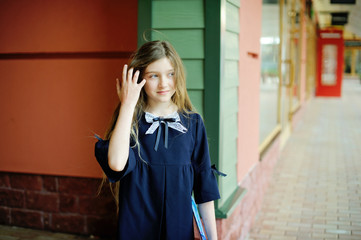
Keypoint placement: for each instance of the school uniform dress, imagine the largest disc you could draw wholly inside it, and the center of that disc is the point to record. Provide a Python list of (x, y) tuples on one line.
[(157, 182)]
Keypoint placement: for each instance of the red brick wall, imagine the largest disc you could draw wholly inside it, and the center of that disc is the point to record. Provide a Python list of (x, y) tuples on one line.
[(62, 204)]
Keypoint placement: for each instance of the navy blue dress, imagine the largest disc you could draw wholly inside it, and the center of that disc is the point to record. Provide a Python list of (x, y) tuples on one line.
[(155, 192)]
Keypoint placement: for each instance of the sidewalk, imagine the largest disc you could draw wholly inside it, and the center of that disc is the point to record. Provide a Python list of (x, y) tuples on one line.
[(18, 233), (315, 191)]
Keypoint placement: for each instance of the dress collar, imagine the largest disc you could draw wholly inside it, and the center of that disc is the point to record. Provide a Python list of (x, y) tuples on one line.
[(171, 120)]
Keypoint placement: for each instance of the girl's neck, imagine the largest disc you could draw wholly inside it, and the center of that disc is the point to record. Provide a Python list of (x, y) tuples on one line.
[(161, 109)]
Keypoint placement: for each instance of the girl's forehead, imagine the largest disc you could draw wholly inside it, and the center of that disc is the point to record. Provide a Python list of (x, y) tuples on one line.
[(163, 64)]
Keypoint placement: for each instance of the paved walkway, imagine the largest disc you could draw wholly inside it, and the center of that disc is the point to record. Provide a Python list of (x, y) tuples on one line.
[(17, 233), (315, 192)]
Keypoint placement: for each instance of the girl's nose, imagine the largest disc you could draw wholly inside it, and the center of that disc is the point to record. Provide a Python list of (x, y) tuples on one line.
[(163, 81)]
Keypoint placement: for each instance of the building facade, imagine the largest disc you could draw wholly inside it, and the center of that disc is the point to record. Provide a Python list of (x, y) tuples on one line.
[(249, 74)]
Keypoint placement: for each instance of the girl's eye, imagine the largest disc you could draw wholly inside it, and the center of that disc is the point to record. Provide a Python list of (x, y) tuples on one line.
[(153, 76), (171, 74)]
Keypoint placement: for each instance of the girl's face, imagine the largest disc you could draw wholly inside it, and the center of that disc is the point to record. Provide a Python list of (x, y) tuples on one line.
[(160, 85)]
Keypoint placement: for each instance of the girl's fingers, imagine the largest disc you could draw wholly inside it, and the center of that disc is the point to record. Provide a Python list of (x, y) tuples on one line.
[(135, 77), (130, 74), (118, 87), (142, 83), (125, 70)]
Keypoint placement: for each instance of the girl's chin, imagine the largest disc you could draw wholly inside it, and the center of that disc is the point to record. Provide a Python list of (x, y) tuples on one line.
[(161, 100)]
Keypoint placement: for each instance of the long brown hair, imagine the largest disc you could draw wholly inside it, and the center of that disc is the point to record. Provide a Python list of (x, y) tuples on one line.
[(145, 55)]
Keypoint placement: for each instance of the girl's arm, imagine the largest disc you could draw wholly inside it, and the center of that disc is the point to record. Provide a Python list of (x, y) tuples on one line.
[(208, 216), (128, 92)]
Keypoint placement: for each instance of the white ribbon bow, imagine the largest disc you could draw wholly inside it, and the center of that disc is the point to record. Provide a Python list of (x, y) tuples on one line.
[(155, 124)]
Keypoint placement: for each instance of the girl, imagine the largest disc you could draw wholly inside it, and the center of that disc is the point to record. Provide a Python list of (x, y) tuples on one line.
[(156, 150)]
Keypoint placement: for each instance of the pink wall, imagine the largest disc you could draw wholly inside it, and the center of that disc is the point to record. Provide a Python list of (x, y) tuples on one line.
[(52, 106), (249, 85)]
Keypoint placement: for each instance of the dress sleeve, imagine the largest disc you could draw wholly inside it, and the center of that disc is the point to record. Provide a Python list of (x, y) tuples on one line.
[(101, 154), (205, 183)]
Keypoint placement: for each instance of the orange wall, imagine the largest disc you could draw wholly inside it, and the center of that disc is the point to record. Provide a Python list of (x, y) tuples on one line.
[(52, 106), (249, 88)]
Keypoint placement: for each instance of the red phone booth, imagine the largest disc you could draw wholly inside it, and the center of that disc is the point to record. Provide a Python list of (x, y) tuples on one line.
[(330, 48)]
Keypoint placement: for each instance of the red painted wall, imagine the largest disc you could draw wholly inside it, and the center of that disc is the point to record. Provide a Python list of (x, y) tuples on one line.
[(51, 103), (70, 25)]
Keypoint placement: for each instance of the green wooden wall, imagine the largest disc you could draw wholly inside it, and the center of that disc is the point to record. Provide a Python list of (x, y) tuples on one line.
[(229, 102), (210, 53), (182, 23)]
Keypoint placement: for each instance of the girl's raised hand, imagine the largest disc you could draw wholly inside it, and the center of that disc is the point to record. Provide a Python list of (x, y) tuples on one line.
[(129, 89)]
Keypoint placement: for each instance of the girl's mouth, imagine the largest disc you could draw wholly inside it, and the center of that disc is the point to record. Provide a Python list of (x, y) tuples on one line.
[(162, 92)]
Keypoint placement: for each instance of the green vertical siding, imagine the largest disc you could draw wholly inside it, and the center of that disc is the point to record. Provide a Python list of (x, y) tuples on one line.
[(229, 103), (178, 14), (210, 53), (236, 3), (195, 73), (212, 75), (232, 17), (144, 19), (230, 72), (189, 43), (231, 46), (182, 24), (197, 100)]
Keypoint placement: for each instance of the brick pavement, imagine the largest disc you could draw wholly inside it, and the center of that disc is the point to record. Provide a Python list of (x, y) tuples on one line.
[(18, 233), (315, 190)]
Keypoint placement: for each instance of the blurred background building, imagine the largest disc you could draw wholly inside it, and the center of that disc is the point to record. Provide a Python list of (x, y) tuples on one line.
[(251, 65)]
